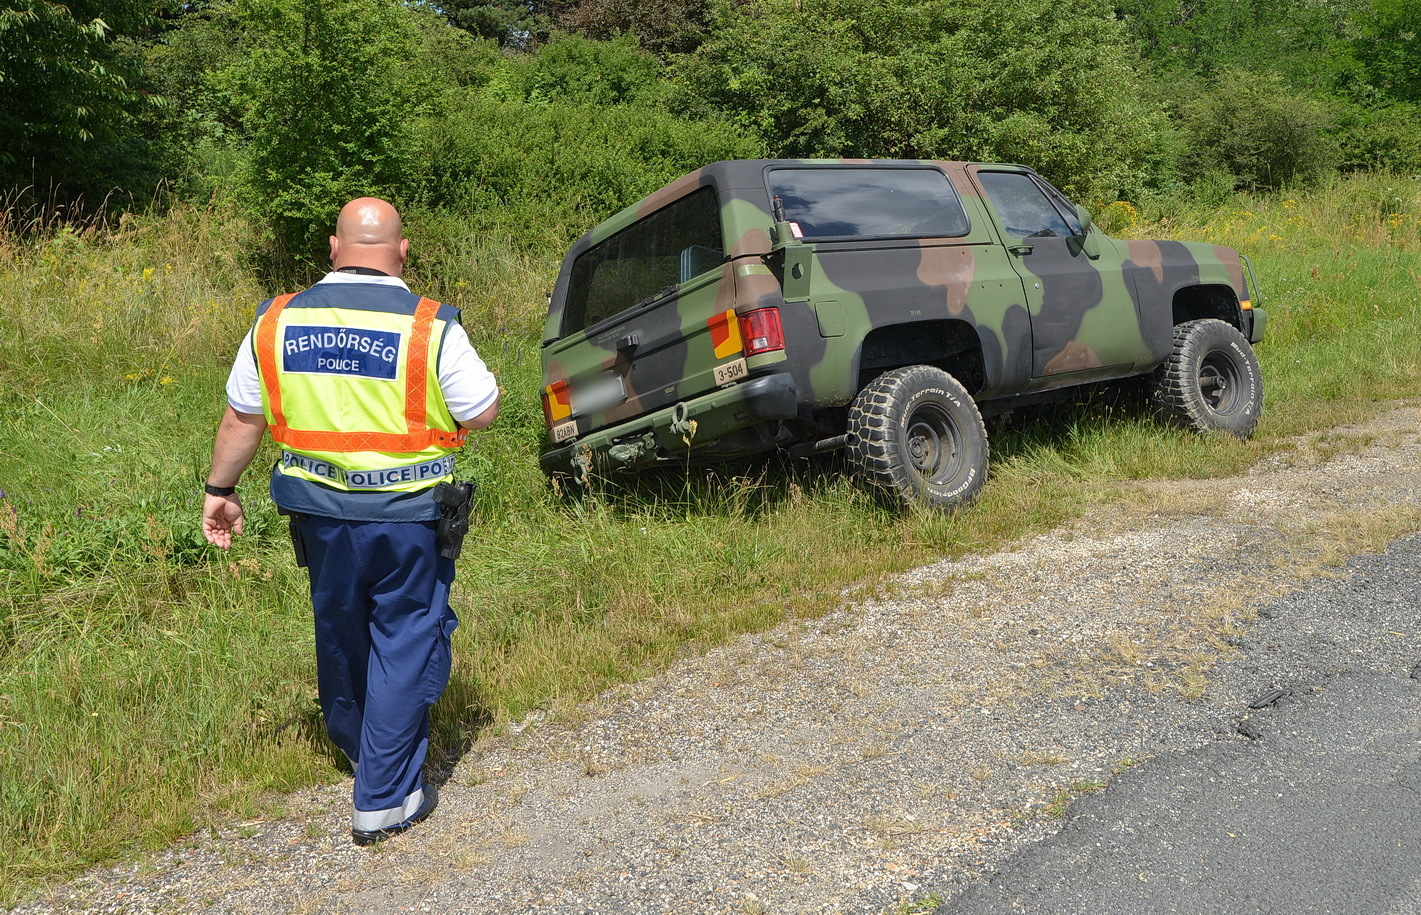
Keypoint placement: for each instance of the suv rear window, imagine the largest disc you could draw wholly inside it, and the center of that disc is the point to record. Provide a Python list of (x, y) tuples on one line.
[(854, 202), (645, 259)]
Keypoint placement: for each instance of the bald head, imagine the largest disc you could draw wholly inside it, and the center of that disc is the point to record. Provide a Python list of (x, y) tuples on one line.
[(369, 234)]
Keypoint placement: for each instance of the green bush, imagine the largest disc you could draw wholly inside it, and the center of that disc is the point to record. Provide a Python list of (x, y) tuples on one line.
[(317, 134), (1251, 126), (1383, 137), (542, 175), (72, 99), (1053, 86), (576, 71), (1388, 48)]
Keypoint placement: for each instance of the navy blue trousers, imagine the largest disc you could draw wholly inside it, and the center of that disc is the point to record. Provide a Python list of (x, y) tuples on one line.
[(380, 591)]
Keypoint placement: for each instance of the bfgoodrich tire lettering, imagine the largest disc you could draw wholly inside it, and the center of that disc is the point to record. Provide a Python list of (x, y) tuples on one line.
[(1211, 381), (919, 437)]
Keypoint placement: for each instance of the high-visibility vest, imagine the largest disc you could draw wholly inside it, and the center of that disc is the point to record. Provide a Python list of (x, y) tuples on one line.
[(350, 387)]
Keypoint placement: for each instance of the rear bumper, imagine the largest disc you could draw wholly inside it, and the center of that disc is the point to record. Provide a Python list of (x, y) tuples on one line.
[(667, 434)]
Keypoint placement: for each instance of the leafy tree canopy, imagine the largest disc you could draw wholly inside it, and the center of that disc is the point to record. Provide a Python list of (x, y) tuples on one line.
[(661, 26), (1390, 49), (1304, 41), (71, 93), (511, 23), (317, 98), (1053, 85)]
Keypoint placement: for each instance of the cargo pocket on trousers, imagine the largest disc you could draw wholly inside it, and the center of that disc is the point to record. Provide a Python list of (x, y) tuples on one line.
[(441, 659)]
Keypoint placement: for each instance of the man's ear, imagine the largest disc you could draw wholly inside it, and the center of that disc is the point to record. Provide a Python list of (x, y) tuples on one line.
[(404, 249), (335, 249)]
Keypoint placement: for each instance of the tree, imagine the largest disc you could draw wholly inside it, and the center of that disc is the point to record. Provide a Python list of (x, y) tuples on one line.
[(1052, 85), (511, 23), (1304, 41), (1390, 50), (322, 95), (71, 94), (663, 27), (577, 70)]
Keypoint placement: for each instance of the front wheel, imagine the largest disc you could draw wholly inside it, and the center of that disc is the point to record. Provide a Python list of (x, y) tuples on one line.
[(919, 438), (1211, 381)]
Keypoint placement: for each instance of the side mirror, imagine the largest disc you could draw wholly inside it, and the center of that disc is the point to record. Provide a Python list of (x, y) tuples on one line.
[(1090, 243), (1084, 216)]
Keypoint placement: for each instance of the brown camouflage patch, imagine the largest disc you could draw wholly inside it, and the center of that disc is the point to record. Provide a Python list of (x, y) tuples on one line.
[(1147, 254), (952, 268), (1075, 357)]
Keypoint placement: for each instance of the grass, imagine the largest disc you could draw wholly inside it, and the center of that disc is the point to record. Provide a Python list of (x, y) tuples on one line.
[(150, 686), (1061, 802)]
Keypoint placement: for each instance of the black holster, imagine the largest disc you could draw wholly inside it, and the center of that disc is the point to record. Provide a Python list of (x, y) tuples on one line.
[(455, 501), (298, 542)]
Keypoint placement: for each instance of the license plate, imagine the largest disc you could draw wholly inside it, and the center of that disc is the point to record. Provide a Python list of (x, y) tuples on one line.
[(563, 431), (731, 372)]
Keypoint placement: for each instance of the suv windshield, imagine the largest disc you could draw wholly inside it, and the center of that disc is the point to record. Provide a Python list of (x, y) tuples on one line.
[(838, 202), (645, 259)]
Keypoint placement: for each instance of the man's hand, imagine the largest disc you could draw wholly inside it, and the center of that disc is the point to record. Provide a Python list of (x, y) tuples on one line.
[(221, 518), (238, 436)]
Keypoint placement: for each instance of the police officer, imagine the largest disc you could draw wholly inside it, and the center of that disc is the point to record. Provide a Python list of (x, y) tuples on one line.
[(368, 389)]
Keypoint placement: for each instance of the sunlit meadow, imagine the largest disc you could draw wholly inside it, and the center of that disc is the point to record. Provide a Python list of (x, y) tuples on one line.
[(151, 685)]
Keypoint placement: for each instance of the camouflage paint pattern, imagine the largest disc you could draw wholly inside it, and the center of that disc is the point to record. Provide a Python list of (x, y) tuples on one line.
[(1007, 316)]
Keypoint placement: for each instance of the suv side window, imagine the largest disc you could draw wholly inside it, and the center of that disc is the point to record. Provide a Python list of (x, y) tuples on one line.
[(1025, 210), (857, 202), (644, 260)]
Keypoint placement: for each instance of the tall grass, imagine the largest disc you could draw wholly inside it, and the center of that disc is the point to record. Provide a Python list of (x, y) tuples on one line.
[(150, 685)]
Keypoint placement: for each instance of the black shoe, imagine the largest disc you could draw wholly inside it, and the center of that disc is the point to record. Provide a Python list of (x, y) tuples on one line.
[(371, 836)]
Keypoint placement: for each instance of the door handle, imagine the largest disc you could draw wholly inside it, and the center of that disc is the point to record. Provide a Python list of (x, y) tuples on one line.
[(1020, 250)]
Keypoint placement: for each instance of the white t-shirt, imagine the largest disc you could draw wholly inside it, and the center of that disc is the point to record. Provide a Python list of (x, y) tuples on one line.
[(469, 387)]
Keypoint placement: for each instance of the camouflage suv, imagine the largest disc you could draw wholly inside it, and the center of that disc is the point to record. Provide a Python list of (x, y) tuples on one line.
[(882, 307)]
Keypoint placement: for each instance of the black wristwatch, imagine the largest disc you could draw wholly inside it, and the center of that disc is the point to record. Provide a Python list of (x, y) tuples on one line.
[(218, 490)]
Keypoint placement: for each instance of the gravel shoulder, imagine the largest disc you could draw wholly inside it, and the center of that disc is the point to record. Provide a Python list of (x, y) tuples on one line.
[(875, 760)]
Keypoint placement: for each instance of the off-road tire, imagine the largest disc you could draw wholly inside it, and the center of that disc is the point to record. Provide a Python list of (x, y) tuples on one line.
[(919, 438), (1211, 381)]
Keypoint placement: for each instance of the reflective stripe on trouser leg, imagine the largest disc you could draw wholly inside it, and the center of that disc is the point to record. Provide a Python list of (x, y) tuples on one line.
[(381, 597)]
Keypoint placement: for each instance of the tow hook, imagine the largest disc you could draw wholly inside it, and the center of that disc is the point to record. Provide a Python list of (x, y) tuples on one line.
[(681, 419)]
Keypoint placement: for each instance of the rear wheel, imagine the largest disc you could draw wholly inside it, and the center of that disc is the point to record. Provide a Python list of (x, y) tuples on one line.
[(919, 438), (1211, 381)]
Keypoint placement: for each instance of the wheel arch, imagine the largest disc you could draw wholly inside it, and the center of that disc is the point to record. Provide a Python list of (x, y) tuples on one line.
[(951, 345), (1207, 300)]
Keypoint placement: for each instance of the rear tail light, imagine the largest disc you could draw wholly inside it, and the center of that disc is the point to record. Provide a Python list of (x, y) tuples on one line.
[(762, 332), (557, 402)]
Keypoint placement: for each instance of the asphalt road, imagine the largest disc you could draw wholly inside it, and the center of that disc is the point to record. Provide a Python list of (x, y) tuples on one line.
[(1310, 804)]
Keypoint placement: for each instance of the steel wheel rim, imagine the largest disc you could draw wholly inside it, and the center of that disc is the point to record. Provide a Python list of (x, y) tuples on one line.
[(1219, 382), (931, 444)]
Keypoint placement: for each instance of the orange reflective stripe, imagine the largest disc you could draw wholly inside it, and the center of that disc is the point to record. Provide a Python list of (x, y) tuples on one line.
[(416, 386), (347, 442), (266, 357)]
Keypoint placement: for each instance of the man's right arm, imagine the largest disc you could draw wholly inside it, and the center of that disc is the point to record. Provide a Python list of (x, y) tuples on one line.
[(485, 418), (238, 437), (468, 385)]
